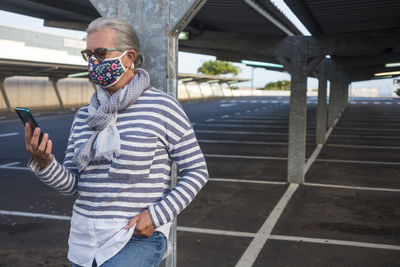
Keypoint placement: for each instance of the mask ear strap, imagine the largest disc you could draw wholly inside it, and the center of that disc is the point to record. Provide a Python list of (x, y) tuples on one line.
[(133, 66)]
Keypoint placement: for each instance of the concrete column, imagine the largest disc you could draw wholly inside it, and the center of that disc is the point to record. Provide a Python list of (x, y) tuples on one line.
[(322, 111), (93, 84), (222, 89), (201, 91), (3, 93), (322, 108), (158, 24), (299, 55), (54, 82), (297, 128), (333, 101), (187, 90)]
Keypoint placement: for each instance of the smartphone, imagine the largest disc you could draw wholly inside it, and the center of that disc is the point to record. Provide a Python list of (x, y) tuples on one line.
[(26, 116)]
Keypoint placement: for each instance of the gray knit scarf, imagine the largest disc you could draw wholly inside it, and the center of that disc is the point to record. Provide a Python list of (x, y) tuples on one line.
[(105, 142)]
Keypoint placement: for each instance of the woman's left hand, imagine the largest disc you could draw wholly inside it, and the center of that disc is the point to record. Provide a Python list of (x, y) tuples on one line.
[(144, 225)]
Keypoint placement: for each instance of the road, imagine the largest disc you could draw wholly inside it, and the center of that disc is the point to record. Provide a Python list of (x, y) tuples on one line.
[(346, 214)]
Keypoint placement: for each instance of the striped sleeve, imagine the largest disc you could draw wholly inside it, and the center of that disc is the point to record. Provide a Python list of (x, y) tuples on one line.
[(62, 177), (194, 175)]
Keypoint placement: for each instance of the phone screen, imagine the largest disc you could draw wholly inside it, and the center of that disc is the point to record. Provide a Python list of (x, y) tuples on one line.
[(26, 116)]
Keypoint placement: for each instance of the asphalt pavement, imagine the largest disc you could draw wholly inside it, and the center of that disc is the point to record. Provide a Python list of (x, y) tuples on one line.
[(346, 214)]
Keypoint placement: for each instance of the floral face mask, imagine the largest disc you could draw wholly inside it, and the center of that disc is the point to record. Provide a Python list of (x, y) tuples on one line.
[(107, 72)]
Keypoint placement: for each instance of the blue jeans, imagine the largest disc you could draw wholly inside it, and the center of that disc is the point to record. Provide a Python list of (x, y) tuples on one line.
[(138, 252)]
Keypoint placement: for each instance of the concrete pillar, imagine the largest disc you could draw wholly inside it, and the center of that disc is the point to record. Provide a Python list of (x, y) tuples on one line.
[(201, 91), (222, 89), (322, 108), (297, 128), (158, 24), (299, 55), (187, 90), (93, 84), (333, 101), (4, 93), (54, 83)]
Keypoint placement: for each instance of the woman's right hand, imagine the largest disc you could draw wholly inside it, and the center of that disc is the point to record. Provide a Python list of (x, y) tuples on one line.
[(41, 153)]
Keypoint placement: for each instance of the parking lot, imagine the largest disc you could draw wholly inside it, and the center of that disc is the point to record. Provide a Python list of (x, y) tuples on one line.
[(346, 214)]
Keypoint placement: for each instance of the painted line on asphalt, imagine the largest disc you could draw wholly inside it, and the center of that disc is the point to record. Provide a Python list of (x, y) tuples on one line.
[(208, 120), (334, 242), (242, 132), (242, 142), (245, 181), (353, 187), (226, 105), (225, 116), (367, 129), (9, 134), (243, 157), (316, 160), (250, 255), (214, 232), (312, 158), (285, 121), (224, 232), (35, 215), (15, 168), (10, 164), (359, 161), (363, 146), (240, 125), (366, 136)]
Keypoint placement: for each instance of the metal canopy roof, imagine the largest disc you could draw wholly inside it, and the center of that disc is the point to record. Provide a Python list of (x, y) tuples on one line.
[(234, 30), (200, 78), (371, 20), (31, 68)]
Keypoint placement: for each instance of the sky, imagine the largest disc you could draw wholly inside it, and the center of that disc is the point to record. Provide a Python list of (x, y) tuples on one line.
[(189, 62)]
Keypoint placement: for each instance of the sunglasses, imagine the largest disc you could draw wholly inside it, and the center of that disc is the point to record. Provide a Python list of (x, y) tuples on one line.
[(99, 53)]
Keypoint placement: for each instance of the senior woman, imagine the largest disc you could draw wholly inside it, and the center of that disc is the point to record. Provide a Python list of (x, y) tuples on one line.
[(119, 157)]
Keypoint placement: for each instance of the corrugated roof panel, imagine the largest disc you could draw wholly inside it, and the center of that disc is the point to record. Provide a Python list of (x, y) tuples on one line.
[(233, 16), (347, 16)]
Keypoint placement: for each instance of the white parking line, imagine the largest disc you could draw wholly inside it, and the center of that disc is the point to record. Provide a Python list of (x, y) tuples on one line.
[(215, 232), (243, 132), (34, 215), (316, 160), (240, 125), (333, 242), (227, 105), (208, 120), (241, 142), (15, 168), (353, 187), (9, 134), (367, 129), (361, 146), (245, 181), (359, 161), (224, 232), (312, 158), (249, 256), (243, 157), (225, 116), (10, 164)]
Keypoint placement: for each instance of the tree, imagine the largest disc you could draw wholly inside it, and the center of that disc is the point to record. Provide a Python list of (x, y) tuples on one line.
[(279, 85), (397, 92), (218, 67)]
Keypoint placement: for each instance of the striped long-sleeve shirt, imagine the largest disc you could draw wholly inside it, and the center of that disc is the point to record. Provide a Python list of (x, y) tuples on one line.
[(154, 132)]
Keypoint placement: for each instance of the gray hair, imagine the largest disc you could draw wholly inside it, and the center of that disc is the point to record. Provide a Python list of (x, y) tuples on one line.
[(125, 36)]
